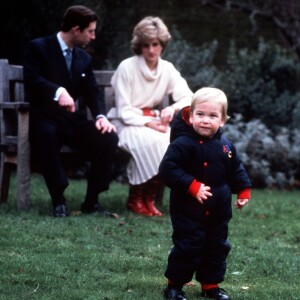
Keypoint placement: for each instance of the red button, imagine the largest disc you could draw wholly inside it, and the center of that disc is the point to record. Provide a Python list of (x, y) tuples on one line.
[(200, 142), (205, 164)]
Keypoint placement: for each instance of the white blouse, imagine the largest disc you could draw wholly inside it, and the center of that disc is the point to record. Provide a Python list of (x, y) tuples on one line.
[(137, 87)]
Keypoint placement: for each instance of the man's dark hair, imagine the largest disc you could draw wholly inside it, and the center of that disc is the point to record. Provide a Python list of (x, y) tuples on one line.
[(77, 15)]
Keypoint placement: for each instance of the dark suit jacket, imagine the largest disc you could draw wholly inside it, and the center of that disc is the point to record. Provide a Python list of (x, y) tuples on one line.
[(45, 70)]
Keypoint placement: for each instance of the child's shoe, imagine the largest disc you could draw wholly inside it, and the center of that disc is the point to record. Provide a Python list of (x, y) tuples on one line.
[(174, 294), (216, 293)]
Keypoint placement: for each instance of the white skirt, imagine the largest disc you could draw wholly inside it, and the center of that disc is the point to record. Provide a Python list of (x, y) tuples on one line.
[(146, 147)]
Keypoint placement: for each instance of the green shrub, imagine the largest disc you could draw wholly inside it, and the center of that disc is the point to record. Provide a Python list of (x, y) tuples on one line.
[(272, 159), (194, 63), (263, 93), (262, 84)]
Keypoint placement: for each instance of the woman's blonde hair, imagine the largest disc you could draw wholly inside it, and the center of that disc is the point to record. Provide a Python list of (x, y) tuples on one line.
[(210, 94), (147, 29)]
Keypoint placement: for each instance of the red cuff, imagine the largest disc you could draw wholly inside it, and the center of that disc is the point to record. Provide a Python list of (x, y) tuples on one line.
[(244, 194), (194, 188)]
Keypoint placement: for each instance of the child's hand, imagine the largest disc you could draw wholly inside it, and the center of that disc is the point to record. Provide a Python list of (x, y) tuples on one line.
[(203, 193), (240, 203)]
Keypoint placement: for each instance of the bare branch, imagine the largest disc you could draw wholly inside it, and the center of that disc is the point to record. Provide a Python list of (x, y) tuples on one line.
[(285, 15)]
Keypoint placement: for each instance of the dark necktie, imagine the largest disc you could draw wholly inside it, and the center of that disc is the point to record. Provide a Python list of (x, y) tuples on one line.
[(68, 57)]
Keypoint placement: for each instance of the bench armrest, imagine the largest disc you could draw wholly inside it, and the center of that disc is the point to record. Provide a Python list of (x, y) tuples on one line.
[(20, 106)]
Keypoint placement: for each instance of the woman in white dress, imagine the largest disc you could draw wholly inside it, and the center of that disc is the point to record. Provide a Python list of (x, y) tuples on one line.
[(140, 84)]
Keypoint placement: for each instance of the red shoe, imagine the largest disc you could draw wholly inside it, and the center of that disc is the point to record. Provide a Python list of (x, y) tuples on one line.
[(150, 204), (150, 189), (138, 207), (135, 201)]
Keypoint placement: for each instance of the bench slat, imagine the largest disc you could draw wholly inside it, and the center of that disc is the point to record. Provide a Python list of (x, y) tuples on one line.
[(14, 105)]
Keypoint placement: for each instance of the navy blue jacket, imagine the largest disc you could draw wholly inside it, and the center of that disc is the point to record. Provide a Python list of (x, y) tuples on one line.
[(45, 70), (212, 161)]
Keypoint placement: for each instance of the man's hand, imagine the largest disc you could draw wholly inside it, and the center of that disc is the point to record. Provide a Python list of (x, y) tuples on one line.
[(240, 203), (104, 125), (203, 193), (66, 101)]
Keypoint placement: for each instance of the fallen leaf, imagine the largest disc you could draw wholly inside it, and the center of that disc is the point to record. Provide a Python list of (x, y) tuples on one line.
[(191, 283), (236, 273), (76, 213)]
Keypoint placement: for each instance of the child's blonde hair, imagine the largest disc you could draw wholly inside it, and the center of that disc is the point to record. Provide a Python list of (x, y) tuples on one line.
[(210, 94)]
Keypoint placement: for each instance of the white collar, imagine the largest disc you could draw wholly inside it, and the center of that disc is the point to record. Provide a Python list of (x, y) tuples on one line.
[(62, 44), (147, 73)]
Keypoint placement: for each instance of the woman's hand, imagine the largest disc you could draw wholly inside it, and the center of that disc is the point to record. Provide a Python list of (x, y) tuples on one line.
[(158, 126), (167, 115)]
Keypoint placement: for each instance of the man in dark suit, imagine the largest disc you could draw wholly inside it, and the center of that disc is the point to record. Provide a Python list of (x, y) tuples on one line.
[(57, 71)]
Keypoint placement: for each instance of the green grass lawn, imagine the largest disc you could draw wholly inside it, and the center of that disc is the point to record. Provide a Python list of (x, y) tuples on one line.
[(91, 257)]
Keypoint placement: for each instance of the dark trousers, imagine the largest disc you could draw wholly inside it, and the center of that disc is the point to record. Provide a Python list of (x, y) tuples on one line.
[(201, 251), (48, 134)]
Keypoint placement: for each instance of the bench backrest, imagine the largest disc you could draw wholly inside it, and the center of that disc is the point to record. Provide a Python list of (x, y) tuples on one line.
[(12, 90), (11, 83), (103, 80)]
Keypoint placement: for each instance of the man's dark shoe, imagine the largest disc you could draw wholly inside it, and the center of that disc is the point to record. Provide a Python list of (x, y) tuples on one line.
[(87, 208), (97, 208), (174, 294), (60, 211), (217, 294)]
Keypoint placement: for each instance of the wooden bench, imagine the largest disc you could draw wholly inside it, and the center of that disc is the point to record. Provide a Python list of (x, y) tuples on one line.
[(14, 129)]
